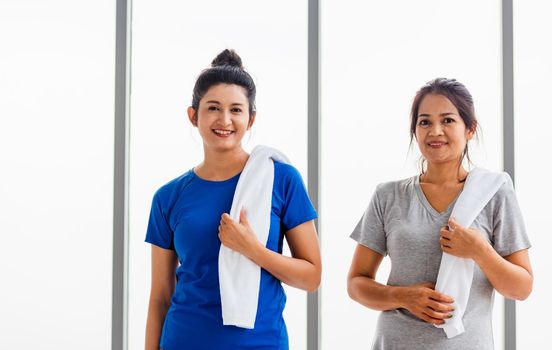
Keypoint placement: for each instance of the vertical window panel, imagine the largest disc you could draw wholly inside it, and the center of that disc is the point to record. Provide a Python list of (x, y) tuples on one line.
[(172, 42), (532, 76), (374, 59), (56, 182)]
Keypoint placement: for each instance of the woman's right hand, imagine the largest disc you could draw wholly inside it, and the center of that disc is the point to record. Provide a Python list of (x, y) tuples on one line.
[(423, 301)]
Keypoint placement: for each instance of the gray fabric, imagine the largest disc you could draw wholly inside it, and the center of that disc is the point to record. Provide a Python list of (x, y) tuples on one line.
[(401, 223)]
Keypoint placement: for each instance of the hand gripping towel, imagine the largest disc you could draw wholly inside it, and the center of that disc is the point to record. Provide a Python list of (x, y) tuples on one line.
[(239, 277), (456, 274)]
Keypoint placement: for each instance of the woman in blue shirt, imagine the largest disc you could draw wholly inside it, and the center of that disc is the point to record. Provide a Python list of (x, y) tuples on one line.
[(185, 306)]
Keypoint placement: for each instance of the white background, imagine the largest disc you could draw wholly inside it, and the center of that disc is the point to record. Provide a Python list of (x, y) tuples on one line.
[(374, 59), (173, 41), (56, 140), (56, 179), (533, 123)]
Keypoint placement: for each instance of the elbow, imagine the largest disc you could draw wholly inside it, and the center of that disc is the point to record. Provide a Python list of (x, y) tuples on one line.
[(522, 293), (314, 283), (311, 288), (351, 288)]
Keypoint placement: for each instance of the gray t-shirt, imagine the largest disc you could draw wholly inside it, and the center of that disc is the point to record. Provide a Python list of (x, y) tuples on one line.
[(400, 222)]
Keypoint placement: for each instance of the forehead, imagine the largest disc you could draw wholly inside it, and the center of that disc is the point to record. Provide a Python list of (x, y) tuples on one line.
[(436, 104), (226, 93)]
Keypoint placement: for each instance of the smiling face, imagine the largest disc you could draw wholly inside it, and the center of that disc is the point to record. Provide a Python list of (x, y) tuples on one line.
[(222, 117), (440, 131)]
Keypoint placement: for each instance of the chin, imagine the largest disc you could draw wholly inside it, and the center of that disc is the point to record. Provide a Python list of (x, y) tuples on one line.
[(219, 147)]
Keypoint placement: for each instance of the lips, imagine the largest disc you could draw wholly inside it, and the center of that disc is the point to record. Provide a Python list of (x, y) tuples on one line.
[(437, 144), (223, 132)]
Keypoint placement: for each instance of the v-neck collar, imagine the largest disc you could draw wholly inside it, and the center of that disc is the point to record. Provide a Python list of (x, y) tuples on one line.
[(427, 205)]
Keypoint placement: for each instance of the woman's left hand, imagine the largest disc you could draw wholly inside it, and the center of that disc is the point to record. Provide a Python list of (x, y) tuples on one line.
[(238, 236), (461, 241)]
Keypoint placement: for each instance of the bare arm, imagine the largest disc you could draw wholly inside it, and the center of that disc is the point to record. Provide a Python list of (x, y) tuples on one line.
[(511, 275), (420, 299), (163, 267), (302, 270)]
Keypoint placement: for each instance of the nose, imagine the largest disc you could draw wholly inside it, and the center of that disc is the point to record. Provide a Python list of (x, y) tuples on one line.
[(225, 117), (436, 130)]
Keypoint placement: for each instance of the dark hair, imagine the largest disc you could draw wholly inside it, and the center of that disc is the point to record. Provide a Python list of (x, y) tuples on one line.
[(457, 93), (226, 68)]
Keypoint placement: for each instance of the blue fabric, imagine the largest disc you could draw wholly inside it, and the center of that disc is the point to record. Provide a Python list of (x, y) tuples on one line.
[(185, 215)]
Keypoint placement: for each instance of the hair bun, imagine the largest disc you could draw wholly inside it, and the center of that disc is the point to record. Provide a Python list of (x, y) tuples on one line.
[(227, 58)]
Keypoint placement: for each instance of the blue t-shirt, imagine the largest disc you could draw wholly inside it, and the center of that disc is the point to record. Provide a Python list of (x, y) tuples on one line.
[(185, 216)]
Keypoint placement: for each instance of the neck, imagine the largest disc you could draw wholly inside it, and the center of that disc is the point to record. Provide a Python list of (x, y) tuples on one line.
[(442, 173), (221, 165)]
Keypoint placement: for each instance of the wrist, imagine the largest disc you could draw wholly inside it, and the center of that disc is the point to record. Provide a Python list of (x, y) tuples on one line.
[(482, 251), (398, 296), (256, 252)]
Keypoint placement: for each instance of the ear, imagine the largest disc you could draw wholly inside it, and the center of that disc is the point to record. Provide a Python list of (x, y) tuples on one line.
[(251, 120), (192, 115), (471, 131)]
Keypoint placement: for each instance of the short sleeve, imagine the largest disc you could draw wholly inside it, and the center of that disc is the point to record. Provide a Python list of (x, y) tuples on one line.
[(297, 208), (370, 229), (159, 232), (509, 233)]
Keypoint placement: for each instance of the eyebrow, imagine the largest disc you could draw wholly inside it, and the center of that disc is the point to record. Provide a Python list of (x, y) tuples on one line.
[(218, 103), (442, 115)]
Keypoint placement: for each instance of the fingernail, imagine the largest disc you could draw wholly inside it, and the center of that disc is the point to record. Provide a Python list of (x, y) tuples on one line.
[(450, 316)]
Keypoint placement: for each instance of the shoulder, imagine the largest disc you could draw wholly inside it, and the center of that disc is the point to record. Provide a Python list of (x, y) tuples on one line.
[(506, 191), (286, 172), (395, 188), (172, 188)]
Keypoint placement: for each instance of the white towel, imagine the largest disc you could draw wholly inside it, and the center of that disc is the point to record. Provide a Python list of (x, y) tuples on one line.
[(456, 274), (239, 277)]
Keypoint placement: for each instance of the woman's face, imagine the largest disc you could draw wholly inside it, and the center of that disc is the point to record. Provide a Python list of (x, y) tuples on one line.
[(440, 131), (222, 117)]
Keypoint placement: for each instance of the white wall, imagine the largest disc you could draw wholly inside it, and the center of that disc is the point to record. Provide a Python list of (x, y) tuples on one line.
[(56, 177), (533, 123), (375, 56), (56, 139), (172, 42)]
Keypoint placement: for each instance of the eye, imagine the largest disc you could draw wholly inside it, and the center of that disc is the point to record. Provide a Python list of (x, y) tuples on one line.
[(423, 122), (212, 108), (236, 110), (448, 120)]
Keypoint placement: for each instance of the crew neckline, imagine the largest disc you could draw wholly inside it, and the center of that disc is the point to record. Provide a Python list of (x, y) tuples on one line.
[(234, 177)]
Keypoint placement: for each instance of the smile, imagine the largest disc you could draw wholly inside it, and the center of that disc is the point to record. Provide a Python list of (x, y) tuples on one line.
[(437, 144), (222, 132)]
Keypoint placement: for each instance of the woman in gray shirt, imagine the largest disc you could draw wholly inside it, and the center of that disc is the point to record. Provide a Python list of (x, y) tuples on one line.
[(410, 220)]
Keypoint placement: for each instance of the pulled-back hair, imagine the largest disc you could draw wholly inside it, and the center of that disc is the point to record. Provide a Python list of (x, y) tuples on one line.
[(226, 68)]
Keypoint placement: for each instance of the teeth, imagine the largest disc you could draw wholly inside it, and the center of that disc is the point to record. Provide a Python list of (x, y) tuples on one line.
[(223, 132)]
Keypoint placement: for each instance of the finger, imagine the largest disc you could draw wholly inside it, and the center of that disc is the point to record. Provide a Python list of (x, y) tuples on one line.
[(225, 217), (243, 217), (454, 225), (436, 314), (446, 234), (445, 242), (440, 307), (437, 296), (447, 249), (430, 319), (429, 285)]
